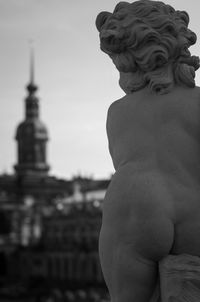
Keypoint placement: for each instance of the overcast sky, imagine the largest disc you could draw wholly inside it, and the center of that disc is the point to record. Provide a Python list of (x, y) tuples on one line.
[(77, 82)]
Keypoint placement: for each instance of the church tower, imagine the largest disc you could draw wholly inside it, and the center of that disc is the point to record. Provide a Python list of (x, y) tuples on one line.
[(31, 135)]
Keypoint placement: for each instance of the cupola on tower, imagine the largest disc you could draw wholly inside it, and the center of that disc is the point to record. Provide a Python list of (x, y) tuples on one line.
[(31, 134)]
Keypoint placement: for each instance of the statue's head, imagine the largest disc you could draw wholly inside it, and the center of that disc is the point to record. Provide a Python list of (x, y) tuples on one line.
[(148, 42)]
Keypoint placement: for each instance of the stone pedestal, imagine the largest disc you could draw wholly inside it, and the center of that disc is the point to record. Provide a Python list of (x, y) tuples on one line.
[(179, 279)]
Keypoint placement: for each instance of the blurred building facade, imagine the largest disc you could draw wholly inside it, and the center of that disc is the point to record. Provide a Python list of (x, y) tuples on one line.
[(49, 227)]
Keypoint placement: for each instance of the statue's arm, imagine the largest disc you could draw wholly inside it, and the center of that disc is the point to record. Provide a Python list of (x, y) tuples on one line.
[(112, 124), (109, 130)]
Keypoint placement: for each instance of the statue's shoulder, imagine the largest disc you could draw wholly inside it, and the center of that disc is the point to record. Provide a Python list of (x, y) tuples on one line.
[(188, 94), (114, 112), (116, 105), (124, 102), (196, 91), (192, 91), (178, 94)]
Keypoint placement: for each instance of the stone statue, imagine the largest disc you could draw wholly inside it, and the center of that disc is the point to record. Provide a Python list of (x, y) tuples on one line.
[(152, 206)]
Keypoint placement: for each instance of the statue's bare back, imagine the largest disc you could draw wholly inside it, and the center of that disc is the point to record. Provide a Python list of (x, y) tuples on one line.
[(159, 161), (152, 207)]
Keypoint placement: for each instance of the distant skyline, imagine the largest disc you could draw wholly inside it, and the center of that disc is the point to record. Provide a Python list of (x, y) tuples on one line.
[(77, 82)]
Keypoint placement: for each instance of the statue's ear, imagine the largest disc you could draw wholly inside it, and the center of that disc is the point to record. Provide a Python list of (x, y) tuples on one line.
[(101, 19)]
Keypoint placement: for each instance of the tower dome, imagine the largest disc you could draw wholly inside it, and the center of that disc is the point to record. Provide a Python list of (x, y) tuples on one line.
[(33, 128)]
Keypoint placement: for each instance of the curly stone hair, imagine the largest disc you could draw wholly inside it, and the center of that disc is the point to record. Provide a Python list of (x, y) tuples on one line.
[(148, 42)]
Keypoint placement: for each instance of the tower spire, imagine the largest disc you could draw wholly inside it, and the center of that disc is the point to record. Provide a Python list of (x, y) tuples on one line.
[(31, 87), (32, 65)]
